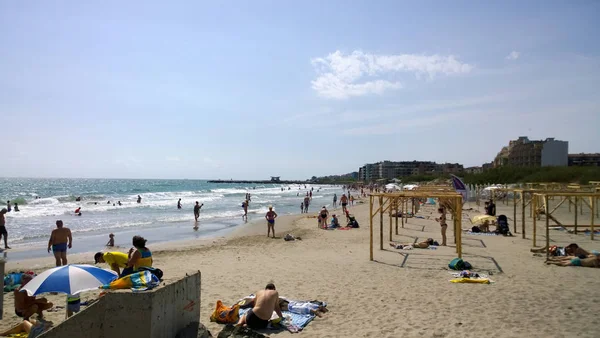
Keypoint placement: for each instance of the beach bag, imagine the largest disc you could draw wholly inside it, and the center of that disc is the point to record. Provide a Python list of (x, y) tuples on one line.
[(475, 229), (225, 314), (457, 264)]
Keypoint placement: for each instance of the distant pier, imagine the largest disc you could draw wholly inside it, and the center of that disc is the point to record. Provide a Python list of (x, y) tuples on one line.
[(258, 182)]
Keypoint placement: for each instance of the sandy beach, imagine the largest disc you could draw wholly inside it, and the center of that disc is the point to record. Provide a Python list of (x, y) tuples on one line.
[(400, 294)]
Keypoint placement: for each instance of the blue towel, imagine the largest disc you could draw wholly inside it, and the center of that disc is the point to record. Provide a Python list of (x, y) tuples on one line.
[(298, 320)]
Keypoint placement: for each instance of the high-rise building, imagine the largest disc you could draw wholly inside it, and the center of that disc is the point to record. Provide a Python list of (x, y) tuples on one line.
[(391, 169), (526, 153)]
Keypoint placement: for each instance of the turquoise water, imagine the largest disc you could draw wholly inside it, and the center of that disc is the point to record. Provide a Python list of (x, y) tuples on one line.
[(156, 218)]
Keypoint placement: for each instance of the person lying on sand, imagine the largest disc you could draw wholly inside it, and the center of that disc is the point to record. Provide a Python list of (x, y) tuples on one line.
[(420, 245), (265, 303), (589, 262), (569, 250), (32, 327), (302, 307)]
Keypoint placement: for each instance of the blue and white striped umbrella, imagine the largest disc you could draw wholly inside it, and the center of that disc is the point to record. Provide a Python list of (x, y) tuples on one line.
[(69, 279)]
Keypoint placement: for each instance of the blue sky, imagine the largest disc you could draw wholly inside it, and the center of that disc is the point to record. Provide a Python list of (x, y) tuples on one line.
[(249, 89)]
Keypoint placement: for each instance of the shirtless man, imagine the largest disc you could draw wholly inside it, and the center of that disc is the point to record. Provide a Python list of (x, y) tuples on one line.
[(26, 306), (270, 217), (60, 240), (265, 303), (197, 208), (3, 232), (245, 206), (588, 262), (344, 201), (306, 203)]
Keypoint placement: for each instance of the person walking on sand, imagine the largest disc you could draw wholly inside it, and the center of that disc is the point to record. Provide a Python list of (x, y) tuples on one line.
[(265, 303), (270, 217), (197, 208), (60, 240), (344, 202), (443, 225), (3, 232), (335, 200)]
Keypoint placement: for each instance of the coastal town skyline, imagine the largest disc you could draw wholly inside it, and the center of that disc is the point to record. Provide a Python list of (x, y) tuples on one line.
[(200, 91)]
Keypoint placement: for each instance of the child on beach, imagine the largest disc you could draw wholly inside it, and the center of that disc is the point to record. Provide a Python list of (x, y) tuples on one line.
[(111, 240), (302, 207)]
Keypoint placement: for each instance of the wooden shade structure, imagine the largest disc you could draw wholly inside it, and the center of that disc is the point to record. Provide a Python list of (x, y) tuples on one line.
[(398, 202)]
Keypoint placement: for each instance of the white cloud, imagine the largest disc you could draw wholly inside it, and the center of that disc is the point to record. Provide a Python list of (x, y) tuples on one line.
[(342, 76), (513, 55)]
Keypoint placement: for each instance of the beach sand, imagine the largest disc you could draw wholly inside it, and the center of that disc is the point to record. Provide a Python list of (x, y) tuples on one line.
[(394, 296)]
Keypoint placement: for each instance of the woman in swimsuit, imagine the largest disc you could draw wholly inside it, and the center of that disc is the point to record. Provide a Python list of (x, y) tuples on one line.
[(443, 224), (323, 217)]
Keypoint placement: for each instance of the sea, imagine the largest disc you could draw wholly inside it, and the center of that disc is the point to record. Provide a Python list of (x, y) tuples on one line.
[(43, 201)]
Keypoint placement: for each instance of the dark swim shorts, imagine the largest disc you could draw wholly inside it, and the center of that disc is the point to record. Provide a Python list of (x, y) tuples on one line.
[(62, 247), (254, 322)]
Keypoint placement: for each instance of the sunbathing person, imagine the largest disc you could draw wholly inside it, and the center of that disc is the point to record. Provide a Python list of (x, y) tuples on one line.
[(302, 308), (589, 262), (265, 303), (26, 306), (569, 250), (28, 326), (420, 245)]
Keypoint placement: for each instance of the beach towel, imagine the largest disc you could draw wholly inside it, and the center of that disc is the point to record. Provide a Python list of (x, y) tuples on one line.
[(139, 281), (471, 280)]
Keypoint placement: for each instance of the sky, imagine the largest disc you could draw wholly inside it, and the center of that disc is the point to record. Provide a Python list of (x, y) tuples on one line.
[(253, 89)]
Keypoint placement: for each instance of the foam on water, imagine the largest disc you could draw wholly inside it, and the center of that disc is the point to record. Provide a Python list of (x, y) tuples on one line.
[(222, 205)]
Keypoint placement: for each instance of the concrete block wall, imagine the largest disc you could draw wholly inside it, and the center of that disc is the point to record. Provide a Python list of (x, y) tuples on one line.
[(158, 313)]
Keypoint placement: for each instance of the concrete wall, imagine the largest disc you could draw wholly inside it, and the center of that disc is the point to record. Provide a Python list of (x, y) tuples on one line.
[(555, 153), (158, 313)]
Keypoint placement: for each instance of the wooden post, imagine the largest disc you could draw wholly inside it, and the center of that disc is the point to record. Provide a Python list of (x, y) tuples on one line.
[(570, 204), (396, 205), (391, 208), (381, 223), (515, 211), (523, 214), (580, 208), (403, 210), (534, 207), (2, 262), (458, 229), (576, 202), (547, 210), (593, 202), (371, 226)]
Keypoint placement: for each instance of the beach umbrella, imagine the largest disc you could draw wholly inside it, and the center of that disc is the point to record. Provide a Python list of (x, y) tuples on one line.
[(479, 219), (69, 279)]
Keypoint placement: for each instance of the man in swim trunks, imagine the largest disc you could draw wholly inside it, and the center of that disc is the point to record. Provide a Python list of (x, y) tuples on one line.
[(344, 201), (26, 306), (589, 262), (197, 208), (60, 240), (3, 232), (306, 203), (270, 217), (265, 303)]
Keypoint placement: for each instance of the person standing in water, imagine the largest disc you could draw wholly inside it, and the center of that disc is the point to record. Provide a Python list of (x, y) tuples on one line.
[(197, 208), (3, 232), (335, 200), (270, 217), (8, 206), (179, 204), (245, 206), (139, 200), (60, 240)]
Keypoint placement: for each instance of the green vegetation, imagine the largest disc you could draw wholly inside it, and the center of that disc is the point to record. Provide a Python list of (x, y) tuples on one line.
[(508, 175)]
